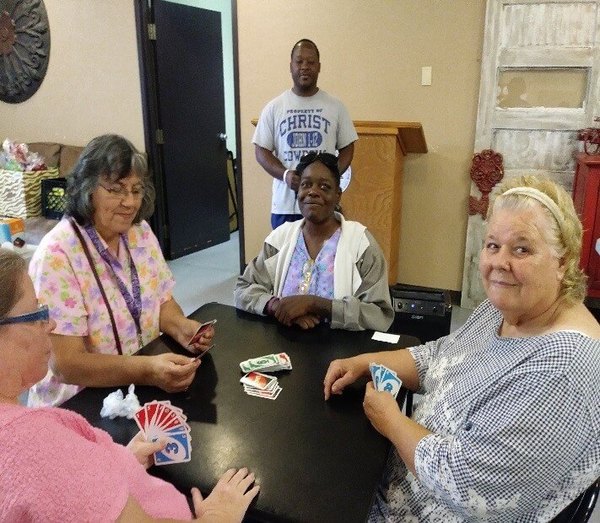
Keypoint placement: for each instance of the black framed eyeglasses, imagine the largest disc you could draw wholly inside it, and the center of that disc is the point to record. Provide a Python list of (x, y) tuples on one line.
[(42, 314)]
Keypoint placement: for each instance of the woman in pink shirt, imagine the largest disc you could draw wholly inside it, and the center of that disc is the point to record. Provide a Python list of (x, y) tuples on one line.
[(57, 467), (107, 285)]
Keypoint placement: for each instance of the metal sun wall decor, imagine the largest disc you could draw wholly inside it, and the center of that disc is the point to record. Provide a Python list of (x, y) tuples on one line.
[(486, 171), (24, 48)]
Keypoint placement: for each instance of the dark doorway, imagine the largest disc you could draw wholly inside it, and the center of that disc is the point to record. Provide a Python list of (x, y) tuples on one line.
[(182, 80)]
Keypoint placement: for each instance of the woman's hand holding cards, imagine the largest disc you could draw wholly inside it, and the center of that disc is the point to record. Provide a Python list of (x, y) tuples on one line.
[(144, 450), (198, 336), (172, 372)]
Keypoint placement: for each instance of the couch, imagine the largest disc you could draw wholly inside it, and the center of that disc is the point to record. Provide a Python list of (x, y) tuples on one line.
[(55, 155)]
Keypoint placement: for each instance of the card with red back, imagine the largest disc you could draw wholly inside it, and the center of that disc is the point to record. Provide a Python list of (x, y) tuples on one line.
[(259, 381), (203, 327)]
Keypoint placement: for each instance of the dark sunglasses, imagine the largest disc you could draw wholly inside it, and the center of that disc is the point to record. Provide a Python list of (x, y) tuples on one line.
[(42, 314), (327, 159)]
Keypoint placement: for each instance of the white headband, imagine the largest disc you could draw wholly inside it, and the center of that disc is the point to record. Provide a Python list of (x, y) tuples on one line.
[(542, 198)]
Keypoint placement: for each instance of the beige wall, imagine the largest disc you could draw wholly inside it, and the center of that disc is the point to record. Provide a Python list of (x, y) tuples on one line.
[(371, 56), (92, 85)]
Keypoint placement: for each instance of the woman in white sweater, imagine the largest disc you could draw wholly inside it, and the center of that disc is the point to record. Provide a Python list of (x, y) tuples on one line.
[(321, 268)]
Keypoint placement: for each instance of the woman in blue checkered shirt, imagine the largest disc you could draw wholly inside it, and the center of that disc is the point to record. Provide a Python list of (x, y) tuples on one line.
[(508, 428)]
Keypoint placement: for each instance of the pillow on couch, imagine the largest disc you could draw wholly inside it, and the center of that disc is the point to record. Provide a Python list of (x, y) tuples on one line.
[(49, 151), (69, 154)]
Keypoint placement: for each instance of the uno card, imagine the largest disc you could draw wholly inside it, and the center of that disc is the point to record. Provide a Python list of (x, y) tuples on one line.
[(259, 381), (385, 380), (204, 351), (161, 420), (196, 337), (177, 450)]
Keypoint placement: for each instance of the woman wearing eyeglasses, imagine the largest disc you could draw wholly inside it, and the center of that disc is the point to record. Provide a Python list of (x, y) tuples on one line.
[(321, 268), (103, 275), (57, 467)]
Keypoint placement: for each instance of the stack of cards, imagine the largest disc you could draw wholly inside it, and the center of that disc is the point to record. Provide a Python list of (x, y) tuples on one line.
[(384, 379), (261, 385), (161, 420), (267, 363)]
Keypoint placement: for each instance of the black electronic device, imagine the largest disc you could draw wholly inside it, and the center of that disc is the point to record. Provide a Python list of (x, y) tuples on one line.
[(421, 311)]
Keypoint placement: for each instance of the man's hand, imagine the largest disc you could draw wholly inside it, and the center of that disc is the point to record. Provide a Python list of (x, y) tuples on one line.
[(292, 180)]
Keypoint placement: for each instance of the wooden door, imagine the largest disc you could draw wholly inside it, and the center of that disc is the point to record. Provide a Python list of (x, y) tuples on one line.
[(539, 84), (189, 65)]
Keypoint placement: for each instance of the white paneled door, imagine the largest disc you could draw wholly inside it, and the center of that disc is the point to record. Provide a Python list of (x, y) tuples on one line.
[(540, 84)]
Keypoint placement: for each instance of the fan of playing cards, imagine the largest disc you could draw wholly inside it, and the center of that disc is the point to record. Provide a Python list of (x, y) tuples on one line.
[(259, 384), (384, 379), (161, 420)]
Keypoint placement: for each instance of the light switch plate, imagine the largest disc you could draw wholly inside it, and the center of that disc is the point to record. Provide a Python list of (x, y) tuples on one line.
[(426, 75)]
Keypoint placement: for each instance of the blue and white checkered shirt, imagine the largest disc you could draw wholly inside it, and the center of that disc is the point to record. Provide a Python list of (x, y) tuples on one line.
[(515, 422)]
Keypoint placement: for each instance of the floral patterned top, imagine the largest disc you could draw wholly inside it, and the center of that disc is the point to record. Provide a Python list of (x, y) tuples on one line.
[(307, 276), (64, 281), (515, 422)]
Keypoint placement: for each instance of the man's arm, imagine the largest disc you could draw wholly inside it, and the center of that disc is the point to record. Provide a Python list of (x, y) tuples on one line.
[(345, 157), (269, 162)]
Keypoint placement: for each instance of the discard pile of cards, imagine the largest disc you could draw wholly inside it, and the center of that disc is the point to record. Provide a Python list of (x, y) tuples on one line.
[(267, 363), (261, 385), (384, 379), (161, 420)]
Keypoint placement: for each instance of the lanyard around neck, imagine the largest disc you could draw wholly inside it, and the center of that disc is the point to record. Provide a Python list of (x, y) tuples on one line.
[(133, 301)]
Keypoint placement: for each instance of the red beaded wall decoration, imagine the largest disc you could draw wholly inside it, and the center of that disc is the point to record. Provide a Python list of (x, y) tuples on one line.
[(486, 171)]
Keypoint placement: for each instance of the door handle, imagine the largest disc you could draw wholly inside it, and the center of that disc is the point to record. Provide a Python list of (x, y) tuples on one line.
[(222, 136)]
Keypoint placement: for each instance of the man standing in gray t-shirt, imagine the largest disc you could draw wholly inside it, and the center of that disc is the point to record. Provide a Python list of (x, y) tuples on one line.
[(300, 120)]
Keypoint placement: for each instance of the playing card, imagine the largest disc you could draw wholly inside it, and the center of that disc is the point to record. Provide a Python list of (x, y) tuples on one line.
[(260, 363), (270, 394), (161, 420), (267, 363), (177, 450), (204, 351), (140, 418), (375, 369), (384, 379), (196, 337), (259, 381)]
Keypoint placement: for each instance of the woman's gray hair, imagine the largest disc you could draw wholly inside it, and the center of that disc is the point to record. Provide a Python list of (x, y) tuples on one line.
[(12, 268), (108, 156)]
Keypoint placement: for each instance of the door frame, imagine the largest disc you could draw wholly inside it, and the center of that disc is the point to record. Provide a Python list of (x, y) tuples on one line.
[(144, 16)]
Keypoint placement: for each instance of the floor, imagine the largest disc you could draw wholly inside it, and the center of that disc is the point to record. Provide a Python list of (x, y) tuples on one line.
[(210, 275)]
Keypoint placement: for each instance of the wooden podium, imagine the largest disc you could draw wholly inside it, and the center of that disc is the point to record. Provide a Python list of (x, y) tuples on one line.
[(374, 195)]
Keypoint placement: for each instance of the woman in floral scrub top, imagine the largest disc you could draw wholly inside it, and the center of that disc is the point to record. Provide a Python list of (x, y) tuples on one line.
[(507, 428), (102, 273)]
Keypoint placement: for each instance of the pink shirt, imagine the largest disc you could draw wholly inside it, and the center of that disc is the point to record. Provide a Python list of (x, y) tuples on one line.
[(56, 467), (63, 280)]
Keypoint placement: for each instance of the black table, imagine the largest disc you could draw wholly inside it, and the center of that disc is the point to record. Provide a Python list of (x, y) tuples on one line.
[(314, 460)]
